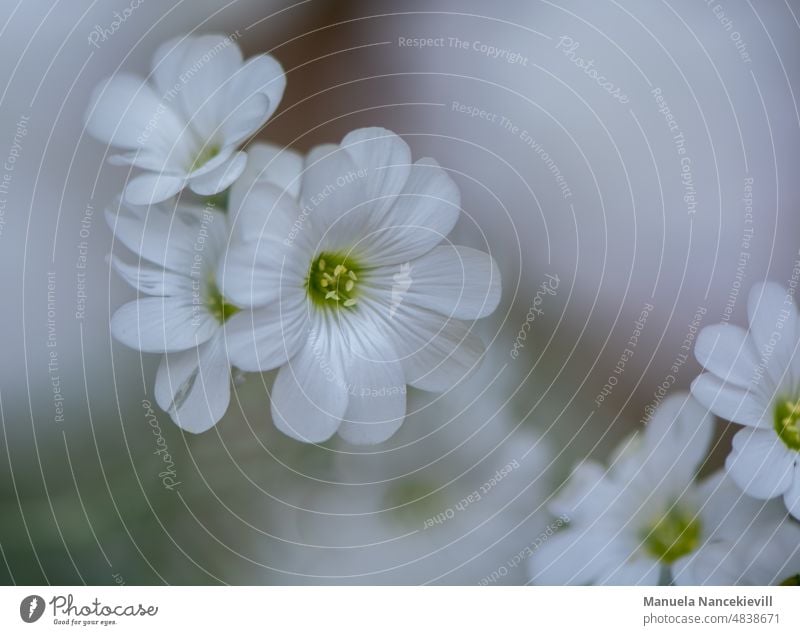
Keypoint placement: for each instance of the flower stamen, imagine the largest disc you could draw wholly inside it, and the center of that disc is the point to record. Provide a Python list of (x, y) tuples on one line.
[(672, 536), (217, 305), (787, 423), (207, 152), (331, 281)]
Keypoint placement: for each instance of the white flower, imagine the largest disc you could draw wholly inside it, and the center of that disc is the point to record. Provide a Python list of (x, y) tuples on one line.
[(746, 542), (182, 312), (645, 520), (452, 499), (753, 379), (183, 124), (327, 267)]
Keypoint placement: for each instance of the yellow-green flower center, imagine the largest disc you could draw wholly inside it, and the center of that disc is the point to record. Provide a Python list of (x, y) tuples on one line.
[(217, 305), (207, 152), (674, 535), (787, 423), (333, 281)]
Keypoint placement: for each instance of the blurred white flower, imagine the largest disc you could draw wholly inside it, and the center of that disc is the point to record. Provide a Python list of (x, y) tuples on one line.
[(745, 541), (452, 498), (645, 520), (327, 266), (183, 313), (630, 523), (183, 124), (753, 379)]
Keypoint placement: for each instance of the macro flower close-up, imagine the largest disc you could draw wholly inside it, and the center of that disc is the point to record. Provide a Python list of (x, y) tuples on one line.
[(305, 293)]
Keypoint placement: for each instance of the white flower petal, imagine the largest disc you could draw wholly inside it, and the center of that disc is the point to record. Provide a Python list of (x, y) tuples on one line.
[(377, 394), (742, 522), (335, 196), (575, 555), (769, 314), (725, 509), (760, 464), (436, 353), (220, 177), (423, 214), (586, 495), (125, 112), (458, 282), (167, 66), (208, 62), (677, 440), (792, 495), (254, 93), (638, 572), (309, 397), (169, 239), (726, 351), (152, 187), (147, 159), (244, 119), (254, 273), (158, 325), (193, 386), (764, 305), (260, 74), (269, 212), (385, 159), (743, 538), (711, 564), (265, 338), (729, 402), (150, 279), (269, 163), (783, 557)]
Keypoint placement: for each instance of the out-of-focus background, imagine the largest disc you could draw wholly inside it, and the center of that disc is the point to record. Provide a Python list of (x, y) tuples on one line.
[(639, 158)]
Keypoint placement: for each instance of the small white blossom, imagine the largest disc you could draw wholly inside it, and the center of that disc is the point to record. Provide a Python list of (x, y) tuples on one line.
[(180, 310), (753, 378), (184, 123), (645, 520), (347, 336)]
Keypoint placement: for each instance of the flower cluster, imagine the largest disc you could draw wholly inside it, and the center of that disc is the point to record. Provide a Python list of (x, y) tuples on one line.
[(648, 519), (333, 267)]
